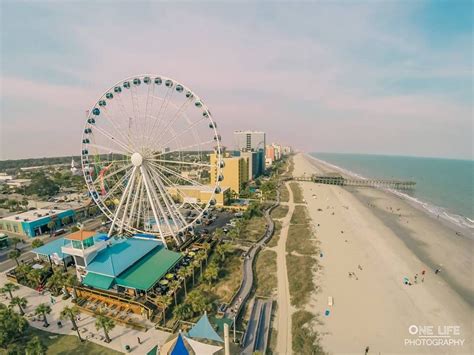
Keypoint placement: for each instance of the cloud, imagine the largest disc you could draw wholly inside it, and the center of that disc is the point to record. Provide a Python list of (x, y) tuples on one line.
[(305, 70)]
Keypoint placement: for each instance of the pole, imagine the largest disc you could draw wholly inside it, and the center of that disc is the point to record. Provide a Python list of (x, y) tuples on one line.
[(234, 328), (226, 339)]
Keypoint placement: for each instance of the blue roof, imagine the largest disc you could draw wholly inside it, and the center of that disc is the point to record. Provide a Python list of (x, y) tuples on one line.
[(203, 329), (50, 248), (179, 347), (120, 255)]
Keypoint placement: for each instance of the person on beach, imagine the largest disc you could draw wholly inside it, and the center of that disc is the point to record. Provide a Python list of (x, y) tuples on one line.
[(367, 350), (139, 340), (437, 271), (416, 278)]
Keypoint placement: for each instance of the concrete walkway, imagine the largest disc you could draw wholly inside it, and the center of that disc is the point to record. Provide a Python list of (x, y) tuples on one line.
[(120, 335), (284, 338)]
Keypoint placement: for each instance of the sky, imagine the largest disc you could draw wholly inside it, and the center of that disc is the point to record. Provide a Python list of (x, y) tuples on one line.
[(392, 77)]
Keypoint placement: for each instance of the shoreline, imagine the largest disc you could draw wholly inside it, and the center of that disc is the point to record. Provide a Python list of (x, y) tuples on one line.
[(382, 238), (466, 231)]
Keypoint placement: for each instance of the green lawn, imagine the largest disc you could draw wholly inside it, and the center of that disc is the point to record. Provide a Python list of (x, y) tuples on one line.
[(297, 193), (67, 344)]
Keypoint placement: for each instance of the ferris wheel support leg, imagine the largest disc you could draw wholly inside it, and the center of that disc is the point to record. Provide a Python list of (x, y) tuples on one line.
[(121, 202), (124, 215), (152, 204), (135, 199), (174, 212), (163, 211)]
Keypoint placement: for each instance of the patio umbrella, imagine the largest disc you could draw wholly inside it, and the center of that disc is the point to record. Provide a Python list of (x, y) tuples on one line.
[(169, 276), (164, 282)]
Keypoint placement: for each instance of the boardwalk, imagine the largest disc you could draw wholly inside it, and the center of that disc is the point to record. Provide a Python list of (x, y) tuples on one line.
[(239, 299), (258, 327), (336, 179)]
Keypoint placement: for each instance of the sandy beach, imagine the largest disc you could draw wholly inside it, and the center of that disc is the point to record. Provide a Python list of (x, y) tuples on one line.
[(370, 240)]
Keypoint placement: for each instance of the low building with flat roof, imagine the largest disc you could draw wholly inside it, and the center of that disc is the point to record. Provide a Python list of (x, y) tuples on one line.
[(35, 222)]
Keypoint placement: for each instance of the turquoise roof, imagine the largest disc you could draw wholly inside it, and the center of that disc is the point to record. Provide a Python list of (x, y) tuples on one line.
[(50, 248), (120, 255), (98, 281), (203, 329)]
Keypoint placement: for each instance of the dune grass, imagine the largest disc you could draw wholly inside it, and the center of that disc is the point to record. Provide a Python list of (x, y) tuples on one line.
[(297, 192), (305, 340), (279, 212), (265, 277), (300, 278), (284, 193)]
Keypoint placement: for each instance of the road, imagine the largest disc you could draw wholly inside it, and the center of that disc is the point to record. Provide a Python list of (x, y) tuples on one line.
[(6, 263)]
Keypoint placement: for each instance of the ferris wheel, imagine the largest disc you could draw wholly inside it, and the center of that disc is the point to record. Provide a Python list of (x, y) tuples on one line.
[(152, 157)]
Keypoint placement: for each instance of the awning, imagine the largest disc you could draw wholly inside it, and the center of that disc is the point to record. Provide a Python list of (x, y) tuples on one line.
[(98, 281), (203, 329)]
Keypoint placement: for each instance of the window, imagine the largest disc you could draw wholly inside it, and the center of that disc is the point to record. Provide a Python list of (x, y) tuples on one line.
[(88, 242), (15, 228), (9, 228), (76, 244)]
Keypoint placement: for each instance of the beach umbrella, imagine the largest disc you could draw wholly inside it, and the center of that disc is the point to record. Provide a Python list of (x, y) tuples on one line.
[(164, 282)]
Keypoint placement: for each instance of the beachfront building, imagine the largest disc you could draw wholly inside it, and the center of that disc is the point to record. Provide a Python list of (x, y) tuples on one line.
[(200, 194), (252, 141), (35, 222), (235, 172)]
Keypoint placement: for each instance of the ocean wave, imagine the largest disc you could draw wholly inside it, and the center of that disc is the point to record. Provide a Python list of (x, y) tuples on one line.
[(433, 210)]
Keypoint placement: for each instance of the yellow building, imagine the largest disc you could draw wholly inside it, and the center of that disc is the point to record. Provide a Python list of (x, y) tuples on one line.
[(235, 172), (197, 194)]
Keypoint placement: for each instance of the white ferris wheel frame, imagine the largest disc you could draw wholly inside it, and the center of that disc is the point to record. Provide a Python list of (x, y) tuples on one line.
[(148, 179)]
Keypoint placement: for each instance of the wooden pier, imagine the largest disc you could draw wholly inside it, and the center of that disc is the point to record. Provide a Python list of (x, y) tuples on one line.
[(339, 180)]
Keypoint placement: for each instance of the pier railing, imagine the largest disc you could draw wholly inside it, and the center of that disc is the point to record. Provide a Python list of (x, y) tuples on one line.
[(342, 181)]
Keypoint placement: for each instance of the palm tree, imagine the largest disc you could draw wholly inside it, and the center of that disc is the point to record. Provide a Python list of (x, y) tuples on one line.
[(218, 233), (190, 271), (206, 247), (107, 324), (200, 256), (15, 254), (15, 241), (165, 301), (21, 302), (9, 287), (43, 309), (37, 242), (51, 225), (174, 287), (183, 311), (72, 281), (183, 273), (35, 276), (198, 301), (211, 273), (35, 347), (223, 249), (55, 282), (71, 313)]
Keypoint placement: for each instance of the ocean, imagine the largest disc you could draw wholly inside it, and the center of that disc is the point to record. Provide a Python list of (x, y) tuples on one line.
[(444, 187)]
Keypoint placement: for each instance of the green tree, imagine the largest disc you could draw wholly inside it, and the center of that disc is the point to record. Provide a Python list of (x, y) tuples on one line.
[(190, 271), (72, 281), (105, 323), (56, 282), (12, 326), (14, 254), (42, 186), (37, 242), (21, 302), (66, 220), (198, 301), (219, 233), (183, 273), (43, 309), (223, 249), (174, 287), (15, 241), (9, 287), (52, 226), (164, 301), (35, 347), (71, 314), (200, 257), (183, 311), (35, 276), (211, 273)]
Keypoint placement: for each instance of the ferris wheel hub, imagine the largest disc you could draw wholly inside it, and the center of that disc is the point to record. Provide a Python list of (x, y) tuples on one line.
[(137, 159)]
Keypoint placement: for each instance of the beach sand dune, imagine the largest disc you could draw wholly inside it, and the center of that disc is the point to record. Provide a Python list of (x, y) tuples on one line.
[(370, 241)]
